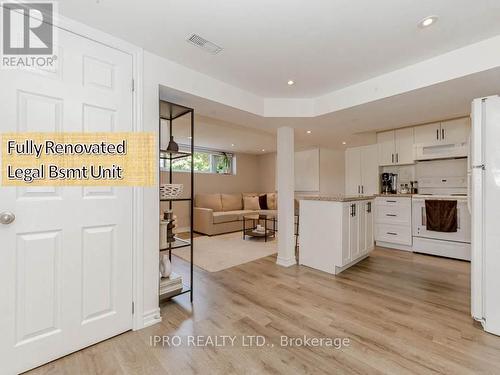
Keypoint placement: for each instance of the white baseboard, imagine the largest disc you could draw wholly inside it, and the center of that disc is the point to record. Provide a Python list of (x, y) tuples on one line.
[(394, 246), (152, 317), (286, 262)]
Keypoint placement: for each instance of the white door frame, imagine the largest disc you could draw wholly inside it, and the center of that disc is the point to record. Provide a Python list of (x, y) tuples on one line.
[(138, 192)]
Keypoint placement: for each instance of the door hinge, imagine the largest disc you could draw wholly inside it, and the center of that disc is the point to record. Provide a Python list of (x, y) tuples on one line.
[(133, 85), (133, 308)]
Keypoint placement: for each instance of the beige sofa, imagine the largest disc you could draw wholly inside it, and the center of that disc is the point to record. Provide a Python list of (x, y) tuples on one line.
[(223, 213)]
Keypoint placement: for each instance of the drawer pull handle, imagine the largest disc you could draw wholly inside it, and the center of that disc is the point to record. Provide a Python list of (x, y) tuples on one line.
[(391, 201), (392, 233), (393, 215)]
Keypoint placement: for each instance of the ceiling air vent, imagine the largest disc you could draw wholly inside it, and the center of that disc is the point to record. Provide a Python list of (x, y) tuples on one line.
[(205, 44)]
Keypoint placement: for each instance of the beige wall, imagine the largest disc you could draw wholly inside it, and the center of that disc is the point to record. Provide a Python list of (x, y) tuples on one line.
[(246, 179), (331, 172), (267, 172)]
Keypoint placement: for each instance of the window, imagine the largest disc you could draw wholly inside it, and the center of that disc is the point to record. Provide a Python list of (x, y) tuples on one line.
[(205, 161)]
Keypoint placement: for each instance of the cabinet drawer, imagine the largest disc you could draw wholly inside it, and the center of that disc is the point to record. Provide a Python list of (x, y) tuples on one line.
[(393, 201), (399, 234), (396, 214)]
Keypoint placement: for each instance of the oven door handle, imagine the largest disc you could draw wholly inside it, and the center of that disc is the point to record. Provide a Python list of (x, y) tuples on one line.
[(458, 218), (424, 221)]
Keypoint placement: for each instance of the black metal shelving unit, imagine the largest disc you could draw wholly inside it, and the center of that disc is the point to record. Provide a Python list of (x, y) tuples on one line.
[(170, 112)]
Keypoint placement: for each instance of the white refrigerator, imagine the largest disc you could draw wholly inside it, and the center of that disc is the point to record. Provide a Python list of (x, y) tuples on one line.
[(484, 204)]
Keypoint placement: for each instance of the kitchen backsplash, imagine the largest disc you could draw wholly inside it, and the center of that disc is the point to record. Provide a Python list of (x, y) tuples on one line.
[(432, 168)]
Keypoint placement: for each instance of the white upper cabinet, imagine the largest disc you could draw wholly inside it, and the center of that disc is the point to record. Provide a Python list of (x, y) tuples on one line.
[(386, 147), (428, 133), (361, 170), (455, 131), (449, 132), (395, 147), (403, 139)]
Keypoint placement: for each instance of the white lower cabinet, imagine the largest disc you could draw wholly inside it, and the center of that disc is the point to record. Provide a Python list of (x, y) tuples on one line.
[(393, 221), (335, 235), (357, 219)]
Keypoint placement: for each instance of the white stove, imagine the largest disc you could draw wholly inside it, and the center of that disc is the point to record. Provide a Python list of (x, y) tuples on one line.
[(447, 244), (440, 196)]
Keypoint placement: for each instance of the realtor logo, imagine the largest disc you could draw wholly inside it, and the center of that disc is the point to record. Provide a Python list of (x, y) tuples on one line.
[(27, 34)]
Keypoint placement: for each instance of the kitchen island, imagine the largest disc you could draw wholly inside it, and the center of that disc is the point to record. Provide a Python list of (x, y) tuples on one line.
[(335, 232)]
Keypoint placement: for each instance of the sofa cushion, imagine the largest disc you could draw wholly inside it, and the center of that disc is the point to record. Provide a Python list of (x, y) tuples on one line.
[(272, 201), (251, 203), (224, 217), (229, 216), (250, 194), (242, 213), (212, 201), (231, 202)]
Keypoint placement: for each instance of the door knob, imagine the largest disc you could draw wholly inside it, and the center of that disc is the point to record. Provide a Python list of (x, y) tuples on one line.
[(7, 217)]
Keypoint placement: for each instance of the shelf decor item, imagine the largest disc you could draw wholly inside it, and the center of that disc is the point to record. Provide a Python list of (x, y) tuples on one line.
[(165, 266), (172, 145), (170, 191)]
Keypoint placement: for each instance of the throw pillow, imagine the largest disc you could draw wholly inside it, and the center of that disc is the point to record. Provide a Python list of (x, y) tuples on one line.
[(251, 203), (263, 202), (272, 201)]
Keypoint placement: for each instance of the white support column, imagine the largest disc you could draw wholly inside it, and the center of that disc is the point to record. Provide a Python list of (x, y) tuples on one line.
[(286, 182)]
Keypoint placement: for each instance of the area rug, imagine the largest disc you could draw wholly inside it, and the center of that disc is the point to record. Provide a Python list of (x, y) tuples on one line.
[(217, 253)]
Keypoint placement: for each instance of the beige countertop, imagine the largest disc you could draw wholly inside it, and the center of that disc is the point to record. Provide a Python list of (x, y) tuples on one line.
[(394, 195), (336, 198)]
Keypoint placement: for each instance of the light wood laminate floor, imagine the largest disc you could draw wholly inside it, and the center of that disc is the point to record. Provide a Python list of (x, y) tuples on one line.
[(404, 313)]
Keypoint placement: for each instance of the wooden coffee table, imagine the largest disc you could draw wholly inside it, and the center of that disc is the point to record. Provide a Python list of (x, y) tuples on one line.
[(269, 221)]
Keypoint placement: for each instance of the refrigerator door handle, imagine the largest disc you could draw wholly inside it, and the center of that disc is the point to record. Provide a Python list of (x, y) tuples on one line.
[(469, 182)]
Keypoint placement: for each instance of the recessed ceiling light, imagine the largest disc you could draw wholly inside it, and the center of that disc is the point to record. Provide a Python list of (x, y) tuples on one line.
[(232, 144), (427, 21), (344, 142), (263, 150), (290, 82), (190, 137), (308, 132)]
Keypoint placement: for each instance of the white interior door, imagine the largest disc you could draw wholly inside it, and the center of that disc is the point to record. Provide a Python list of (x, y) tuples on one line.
[(66, 260)]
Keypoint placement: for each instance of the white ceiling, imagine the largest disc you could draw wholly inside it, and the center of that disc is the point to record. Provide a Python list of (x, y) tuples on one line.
[(323, 45), (357, 125), (220, 135)]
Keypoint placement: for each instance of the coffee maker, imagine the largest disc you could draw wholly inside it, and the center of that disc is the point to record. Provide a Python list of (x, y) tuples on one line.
[(389, 183)]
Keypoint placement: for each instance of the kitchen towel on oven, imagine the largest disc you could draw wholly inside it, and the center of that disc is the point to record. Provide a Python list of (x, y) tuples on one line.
[(441, 215)]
